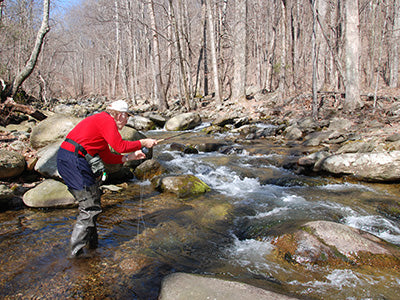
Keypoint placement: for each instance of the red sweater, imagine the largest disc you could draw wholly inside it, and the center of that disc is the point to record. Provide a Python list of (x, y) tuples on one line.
[(96, 133)]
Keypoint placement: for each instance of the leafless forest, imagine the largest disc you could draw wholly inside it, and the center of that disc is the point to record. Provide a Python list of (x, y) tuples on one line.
[(163, 50)]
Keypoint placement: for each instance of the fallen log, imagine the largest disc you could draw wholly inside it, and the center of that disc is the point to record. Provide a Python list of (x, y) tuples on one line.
[(9, 106)]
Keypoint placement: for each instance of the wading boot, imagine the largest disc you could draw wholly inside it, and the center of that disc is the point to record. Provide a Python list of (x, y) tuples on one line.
[(85, 232)]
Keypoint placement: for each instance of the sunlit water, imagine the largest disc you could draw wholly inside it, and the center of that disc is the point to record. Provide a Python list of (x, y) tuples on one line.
[(145, 235)]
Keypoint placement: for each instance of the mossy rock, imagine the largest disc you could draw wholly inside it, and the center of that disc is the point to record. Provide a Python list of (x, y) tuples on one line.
[(181, 185)]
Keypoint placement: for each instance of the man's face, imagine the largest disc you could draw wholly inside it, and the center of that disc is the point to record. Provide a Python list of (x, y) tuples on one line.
[(121, 120)]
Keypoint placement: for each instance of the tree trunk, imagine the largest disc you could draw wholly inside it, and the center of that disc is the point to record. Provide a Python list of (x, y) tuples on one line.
[(352, 52), (383, 36), (214, 59), (314, 62), (394, 53), (30, 65), (205, 64), (159, 90), (180, 55), (282, 70), (118, 53), (202, 49), (240, 51)]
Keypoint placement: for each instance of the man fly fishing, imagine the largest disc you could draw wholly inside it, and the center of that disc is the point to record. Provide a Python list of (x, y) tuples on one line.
[(80, 164)]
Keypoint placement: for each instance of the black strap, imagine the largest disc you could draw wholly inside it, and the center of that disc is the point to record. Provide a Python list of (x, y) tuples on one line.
[(78, 147)]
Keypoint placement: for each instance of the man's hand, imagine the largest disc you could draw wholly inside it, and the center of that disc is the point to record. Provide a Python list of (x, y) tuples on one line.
[(138, 154), (148, 143)]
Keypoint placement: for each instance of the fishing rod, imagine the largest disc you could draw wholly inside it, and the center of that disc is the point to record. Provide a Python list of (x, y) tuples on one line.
[(171, 137), (145, 150)]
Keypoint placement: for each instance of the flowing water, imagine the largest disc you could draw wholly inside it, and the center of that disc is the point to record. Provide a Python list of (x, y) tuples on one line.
[(146, 235)]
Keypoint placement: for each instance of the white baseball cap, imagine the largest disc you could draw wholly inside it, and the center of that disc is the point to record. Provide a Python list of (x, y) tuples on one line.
[(119, 105)]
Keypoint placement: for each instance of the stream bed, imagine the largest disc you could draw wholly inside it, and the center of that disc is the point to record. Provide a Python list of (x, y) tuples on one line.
[(145, 235)]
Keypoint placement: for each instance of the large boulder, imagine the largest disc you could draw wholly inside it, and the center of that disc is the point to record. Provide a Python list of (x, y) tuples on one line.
[(330, 243), (12, 164), (49, 193), (52, 129), (181, 286), (183, 122), (373, 166)]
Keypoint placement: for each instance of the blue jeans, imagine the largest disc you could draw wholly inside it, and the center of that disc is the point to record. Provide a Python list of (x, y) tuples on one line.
[(74, 170)]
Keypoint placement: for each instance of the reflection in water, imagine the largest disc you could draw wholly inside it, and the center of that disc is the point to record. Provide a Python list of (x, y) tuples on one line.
[(144, 235)]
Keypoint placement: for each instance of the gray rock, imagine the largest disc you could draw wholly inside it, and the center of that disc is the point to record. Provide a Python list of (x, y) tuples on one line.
[(223, 120), (307, 124), (339, 124), (49, 193), (141, 123), (312, 159), (157, 119), (374, 166), (181, 286), (293, 133), (52, 129), (315, 138), (356, 146), (64, 109), (183, 121), (12, 164), (47, 162)]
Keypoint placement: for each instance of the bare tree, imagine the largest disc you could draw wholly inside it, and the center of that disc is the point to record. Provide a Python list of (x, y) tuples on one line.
[(394, 46), (159, 88), (240, 51), (314, 61), (283, 53), (180, 57), (214, 58), (352, 50), (30, 65)]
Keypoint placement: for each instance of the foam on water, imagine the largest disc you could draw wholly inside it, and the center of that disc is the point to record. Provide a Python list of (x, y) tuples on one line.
[(346, 186), (376, 225), (250, 252), (273, 212), (337, 279)]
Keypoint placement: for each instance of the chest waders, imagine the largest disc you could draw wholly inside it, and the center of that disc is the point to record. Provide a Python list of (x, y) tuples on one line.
[(84, 232)]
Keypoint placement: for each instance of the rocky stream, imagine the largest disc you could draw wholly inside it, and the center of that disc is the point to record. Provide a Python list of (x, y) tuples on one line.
[(299, 209)]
